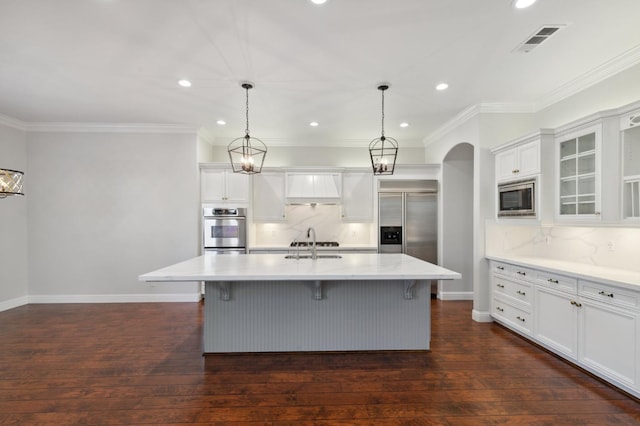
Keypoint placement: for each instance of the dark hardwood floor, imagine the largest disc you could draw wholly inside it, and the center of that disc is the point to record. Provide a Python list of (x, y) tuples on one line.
[(142, 364)]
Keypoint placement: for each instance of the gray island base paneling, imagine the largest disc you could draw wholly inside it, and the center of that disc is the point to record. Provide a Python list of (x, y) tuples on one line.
[(275, 316), (270, 303)]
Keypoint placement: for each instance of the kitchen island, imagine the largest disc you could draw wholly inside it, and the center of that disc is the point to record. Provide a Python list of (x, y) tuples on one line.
[(278, 303)]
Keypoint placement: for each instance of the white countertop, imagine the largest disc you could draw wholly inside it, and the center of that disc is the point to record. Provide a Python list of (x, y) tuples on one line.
[(623, 277), (272, 267)]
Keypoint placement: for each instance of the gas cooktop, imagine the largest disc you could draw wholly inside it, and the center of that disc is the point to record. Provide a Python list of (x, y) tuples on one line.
[(318, 244)]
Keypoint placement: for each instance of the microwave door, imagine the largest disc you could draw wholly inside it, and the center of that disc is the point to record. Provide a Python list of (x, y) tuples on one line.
[(510, 200)]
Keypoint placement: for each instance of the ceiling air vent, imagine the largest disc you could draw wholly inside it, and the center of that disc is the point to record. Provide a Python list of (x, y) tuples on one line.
[(537, 38)]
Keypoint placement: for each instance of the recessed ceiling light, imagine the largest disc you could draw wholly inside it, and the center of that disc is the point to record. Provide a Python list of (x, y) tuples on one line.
[(405, 124), (319, 1), (442, 86), (521, 4), (221, 122), (184, 83), (314, 124)]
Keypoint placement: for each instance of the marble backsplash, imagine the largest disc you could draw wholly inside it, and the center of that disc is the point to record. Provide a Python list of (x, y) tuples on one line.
[(325, 219), (602, 246)]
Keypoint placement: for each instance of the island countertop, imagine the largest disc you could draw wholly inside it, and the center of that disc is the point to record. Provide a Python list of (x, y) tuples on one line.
[(272, 267)]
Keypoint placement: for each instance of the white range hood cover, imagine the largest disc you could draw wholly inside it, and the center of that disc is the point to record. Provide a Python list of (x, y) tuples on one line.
[(310, 188)]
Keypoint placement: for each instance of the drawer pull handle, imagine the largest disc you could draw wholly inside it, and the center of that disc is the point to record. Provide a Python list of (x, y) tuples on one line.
[(499, 309), (500, 267), (500, 285), (521, 293), (577, 304), (602, 293), (520, 318), (521, 273), (551, 280)]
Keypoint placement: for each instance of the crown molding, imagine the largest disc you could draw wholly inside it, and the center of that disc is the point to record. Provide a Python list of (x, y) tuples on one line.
[(481, 108), (614, 66), (13, 122), (110, 128), (462, 117)]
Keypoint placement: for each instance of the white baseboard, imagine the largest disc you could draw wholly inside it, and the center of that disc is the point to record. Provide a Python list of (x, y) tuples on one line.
[(13, 303), (455, 295), (478, 316), (115, 298)]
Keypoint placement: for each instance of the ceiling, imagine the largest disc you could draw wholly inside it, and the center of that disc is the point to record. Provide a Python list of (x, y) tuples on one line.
[(118, 61)]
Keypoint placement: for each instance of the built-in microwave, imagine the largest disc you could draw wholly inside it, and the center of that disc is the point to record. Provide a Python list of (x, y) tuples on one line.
[(517, 198)]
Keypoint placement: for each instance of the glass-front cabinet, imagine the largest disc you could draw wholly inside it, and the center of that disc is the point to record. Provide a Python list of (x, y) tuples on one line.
[(579, 174), (630, 126)]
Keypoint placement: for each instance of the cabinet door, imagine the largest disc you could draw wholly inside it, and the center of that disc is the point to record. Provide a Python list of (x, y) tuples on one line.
[(529, 159), (631, 169), (268, 197), (579, 174), (506, 165), (518, 162), (237, 187), (357, 197), (609, 341), (212, 185), (556, 321)]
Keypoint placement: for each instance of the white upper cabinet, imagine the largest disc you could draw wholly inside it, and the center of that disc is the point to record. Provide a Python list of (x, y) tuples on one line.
[(630, 132), (357, 196), (579, 171), (518, 161), (268, 197), (220, 185)]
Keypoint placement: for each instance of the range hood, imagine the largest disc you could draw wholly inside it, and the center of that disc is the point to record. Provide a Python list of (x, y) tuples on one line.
[(313, 188)]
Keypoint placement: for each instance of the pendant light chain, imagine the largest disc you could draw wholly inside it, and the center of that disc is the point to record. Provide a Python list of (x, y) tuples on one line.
[(247, 111), (382, 113)]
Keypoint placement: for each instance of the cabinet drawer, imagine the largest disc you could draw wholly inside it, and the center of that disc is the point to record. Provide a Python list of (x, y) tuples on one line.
[(519, 272), (609, 294), (517, 290), (518, 318), (501, 268), (556, 281)]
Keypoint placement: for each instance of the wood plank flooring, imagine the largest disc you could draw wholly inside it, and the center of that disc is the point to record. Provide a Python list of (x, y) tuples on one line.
[(117, 364)]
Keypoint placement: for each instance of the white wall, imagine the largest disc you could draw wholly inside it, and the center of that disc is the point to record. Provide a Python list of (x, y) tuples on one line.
[(106, 207), (13, 222)]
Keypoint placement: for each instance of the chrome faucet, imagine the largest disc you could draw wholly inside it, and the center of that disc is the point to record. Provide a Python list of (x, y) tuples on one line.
[(314, 250)]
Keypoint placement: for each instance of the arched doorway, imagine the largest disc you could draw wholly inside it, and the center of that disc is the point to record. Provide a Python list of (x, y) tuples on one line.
[(457, 221)]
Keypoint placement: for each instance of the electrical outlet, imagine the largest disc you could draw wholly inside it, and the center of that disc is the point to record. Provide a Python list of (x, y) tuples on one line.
[(611, 245)]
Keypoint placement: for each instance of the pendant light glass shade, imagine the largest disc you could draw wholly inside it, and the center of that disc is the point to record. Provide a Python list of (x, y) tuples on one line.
[(10, 182), (246, 153), (383, 150)]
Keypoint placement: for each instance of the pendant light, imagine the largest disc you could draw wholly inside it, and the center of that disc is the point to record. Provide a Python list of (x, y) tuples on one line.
[(247, 153), (10, 182), (383, 150)]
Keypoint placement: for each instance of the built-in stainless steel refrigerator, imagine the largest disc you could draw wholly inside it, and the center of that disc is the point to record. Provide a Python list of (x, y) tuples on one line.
[(408, 219)]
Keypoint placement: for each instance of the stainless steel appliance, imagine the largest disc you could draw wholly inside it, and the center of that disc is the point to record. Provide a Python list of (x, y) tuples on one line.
[(224, 230), (408, 219), (517, 198)]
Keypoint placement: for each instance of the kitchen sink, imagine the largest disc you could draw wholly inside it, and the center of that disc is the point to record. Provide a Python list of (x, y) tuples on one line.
[(308, 256)]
